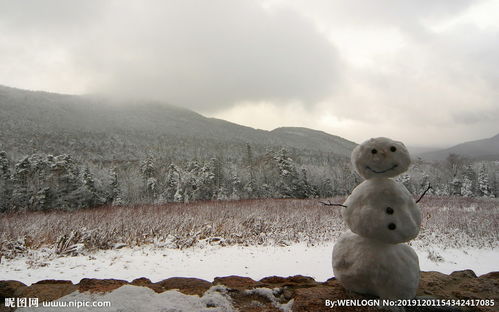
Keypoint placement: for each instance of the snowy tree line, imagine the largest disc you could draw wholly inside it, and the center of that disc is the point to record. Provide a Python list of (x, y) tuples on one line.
[(456, 176), (46, 182)]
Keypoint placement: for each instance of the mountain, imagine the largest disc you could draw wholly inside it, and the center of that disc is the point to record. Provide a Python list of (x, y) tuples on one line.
[(485, 149), (102, 129), (313, 139)]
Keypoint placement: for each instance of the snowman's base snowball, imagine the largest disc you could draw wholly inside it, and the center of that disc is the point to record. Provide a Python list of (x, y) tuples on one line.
[(366, 266)]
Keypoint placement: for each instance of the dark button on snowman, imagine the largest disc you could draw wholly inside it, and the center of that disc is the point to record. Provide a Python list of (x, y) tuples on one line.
[(381, 215)]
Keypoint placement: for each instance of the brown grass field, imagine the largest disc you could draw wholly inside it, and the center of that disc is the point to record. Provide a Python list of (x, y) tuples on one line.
[(447, 221)]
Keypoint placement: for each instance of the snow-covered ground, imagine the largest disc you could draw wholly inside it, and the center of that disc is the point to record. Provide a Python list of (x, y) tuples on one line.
[(207, 262)]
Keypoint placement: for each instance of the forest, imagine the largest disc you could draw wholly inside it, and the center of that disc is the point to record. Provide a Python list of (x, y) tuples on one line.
[(42, 182)]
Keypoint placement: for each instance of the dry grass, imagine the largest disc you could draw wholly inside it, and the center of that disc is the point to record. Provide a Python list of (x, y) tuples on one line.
[(460, 222), (447, 221)]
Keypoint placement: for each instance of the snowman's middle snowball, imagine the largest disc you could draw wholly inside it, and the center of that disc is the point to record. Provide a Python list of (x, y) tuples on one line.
[(384, 210)]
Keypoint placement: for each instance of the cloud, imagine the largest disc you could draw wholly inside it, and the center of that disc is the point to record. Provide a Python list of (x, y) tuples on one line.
[(427, 88), (425, 72), (205, 55), (404, 14)]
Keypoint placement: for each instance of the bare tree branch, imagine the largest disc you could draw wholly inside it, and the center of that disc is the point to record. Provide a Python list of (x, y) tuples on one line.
[(424, 193), (331, 204)]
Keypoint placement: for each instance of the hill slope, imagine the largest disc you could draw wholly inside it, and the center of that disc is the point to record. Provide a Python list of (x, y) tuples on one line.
[(94, 128), (485, 149)]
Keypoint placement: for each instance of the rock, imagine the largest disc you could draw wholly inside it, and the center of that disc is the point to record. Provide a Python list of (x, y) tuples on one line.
[(9, 288), (53, 281), (141, 281), (270, 293), (47, 290), (463, 274), (100, 285), (273, 280), (278, 281), (491, 275), (314, 299), (236, 282), (460, 285), (188, 286)]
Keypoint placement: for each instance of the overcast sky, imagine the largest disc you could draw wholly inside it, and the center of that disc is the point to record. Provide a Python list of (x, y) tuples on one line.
[(425, 72)]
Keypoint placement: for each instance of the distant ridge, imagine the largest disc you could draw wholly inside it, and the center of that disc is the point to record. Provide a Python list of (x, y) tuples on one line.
[(97, 128), (311, 139), (484, 149)]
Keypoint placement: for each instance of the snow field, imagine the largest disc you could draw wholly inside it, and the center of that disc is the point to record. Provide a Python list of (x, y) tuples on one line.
[(208, 262)]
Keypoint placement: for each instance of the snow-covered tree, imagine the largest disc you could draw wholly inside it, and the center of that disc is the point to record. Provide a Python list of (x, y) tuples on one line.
[(116, 198), (215, 168), (5, 182), (483, 182), (65, 182), (303, 189), (236, 188), (455, 186), (286, 185), (467, 187), (20, 193), (87, 191), (326, 188), (172, 185), (149, 172), (250, 189)]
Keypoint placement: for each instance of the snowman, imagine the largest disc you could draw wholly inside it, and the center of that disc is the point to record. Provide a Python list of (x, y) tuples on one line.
[(381, 214)]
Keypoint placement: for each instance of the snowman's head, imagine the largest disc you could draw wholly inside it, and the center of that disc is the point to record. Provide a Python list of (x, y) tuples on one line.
[(384, 210), (380, 157)]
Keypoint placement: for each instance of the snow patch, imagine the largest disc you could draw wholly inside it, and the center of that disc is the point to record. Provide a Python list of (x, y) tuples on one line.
[(271, 294), (136, 298)]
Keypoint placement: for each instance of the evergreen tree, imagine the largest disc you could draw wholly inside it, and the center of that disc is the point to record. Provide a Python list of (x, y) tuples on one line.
[(20, 196), (116, 198), (326, 188), (455, 187), (249, 163), (467, 187), (5, 182), (216, 171), (286, 185), (302, 187), (250, 189), (483, 182), (235, 184), (87, 190), (65, 180), (171, 186), (148, 171)]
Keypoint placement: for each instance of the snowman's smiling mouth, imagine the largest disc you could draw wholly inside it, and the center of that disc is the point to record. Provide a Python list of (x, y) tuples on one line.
[(382, 171)]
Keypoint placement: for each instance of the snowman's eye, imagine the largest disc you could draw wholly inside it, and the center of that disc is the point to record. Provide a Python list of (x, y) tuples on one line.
[(374, 151), (392, 226), (389, 210), (393, 148)]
